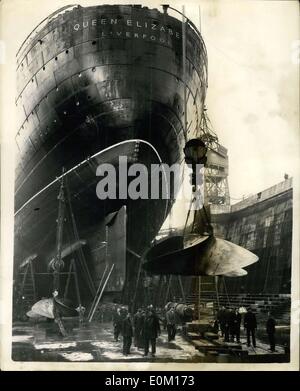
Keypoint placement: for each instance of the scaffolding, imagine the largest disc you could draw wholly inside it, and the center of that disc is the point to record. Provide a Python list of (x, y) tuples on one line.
[(216, 170)]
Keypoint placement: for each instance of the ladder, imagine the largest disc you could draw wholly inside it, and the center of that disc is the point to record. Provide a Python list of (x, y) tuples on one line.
[(27, 294), (102, 285), (206, 290)]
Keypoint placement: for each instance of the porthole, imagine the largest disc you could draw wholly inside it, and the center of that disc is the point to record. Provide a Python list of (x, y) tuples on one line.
[(55, 58), (94, 69), (44, 68), (67, 51)]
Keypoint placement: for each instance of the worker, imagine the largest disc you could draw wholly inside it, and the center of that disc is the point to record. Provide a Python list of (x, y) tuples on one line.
[(221, 320), (231, 324), (237, 325), (117, 324), (151, 330), (250, 325), (171, 324), (81, 310), (226, 324), (271, 328), (138, 320), (127, 332)]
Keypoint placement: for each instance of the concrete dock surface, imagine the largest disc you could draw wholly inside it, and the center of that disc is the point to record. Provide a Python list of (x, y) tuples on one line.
[(94, 342)]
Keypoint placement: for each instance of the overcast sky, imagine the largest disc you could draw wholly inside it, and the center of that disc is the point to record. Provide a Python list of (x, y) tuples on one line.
[(253, 84)]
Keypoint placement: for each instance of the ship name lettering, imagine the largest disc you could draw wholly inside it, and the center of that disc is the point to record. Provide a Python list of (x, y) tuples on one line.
[(128, 22)]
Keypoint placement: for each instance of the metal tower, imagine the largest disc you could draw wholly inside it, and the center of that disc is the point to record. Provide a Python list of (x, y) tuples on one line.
[(216, 171)]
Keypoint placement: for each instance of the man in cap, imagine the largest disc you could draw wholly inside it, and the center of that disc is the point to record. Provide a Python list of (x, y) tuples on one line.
[(270, 328), (151, 330), (250, 325), (127, 332), (171, 324)]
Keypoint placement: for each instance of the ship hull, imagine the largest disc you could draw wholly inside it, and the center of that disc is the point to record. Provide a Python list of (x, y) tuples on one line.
[(90, 79)]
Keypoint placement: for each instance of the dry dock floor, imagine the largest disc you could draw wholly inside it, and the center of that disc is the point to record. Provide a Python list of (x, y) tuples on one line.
[(94, 342)]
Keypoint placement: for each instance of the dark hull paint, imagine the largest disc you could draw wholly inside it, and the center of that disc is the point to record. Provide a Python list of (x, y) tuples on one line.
[(81, 90)]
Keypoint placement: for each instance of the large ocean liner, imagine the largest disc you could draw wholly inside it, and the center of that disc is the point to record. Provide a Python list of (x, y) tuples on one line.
[(96, 83)]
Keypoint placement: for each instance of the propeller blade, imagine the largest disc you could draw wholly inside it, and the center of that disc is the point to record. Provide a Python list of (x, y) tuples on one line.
[(201, 256)]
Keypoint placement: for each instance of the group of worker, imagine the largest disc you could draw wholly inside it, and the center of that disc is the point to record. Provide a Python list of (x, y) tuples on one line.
[(230, 320), (143, 328)]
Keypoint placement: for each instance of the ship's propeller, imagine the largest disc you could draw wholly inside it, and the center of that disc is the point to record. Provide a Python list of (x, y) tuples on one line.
[(198, 255)]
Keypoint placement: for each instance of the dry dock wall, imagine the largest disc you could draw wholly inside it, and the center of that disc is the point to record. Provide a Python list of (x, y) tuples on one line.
[(261, 223)]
